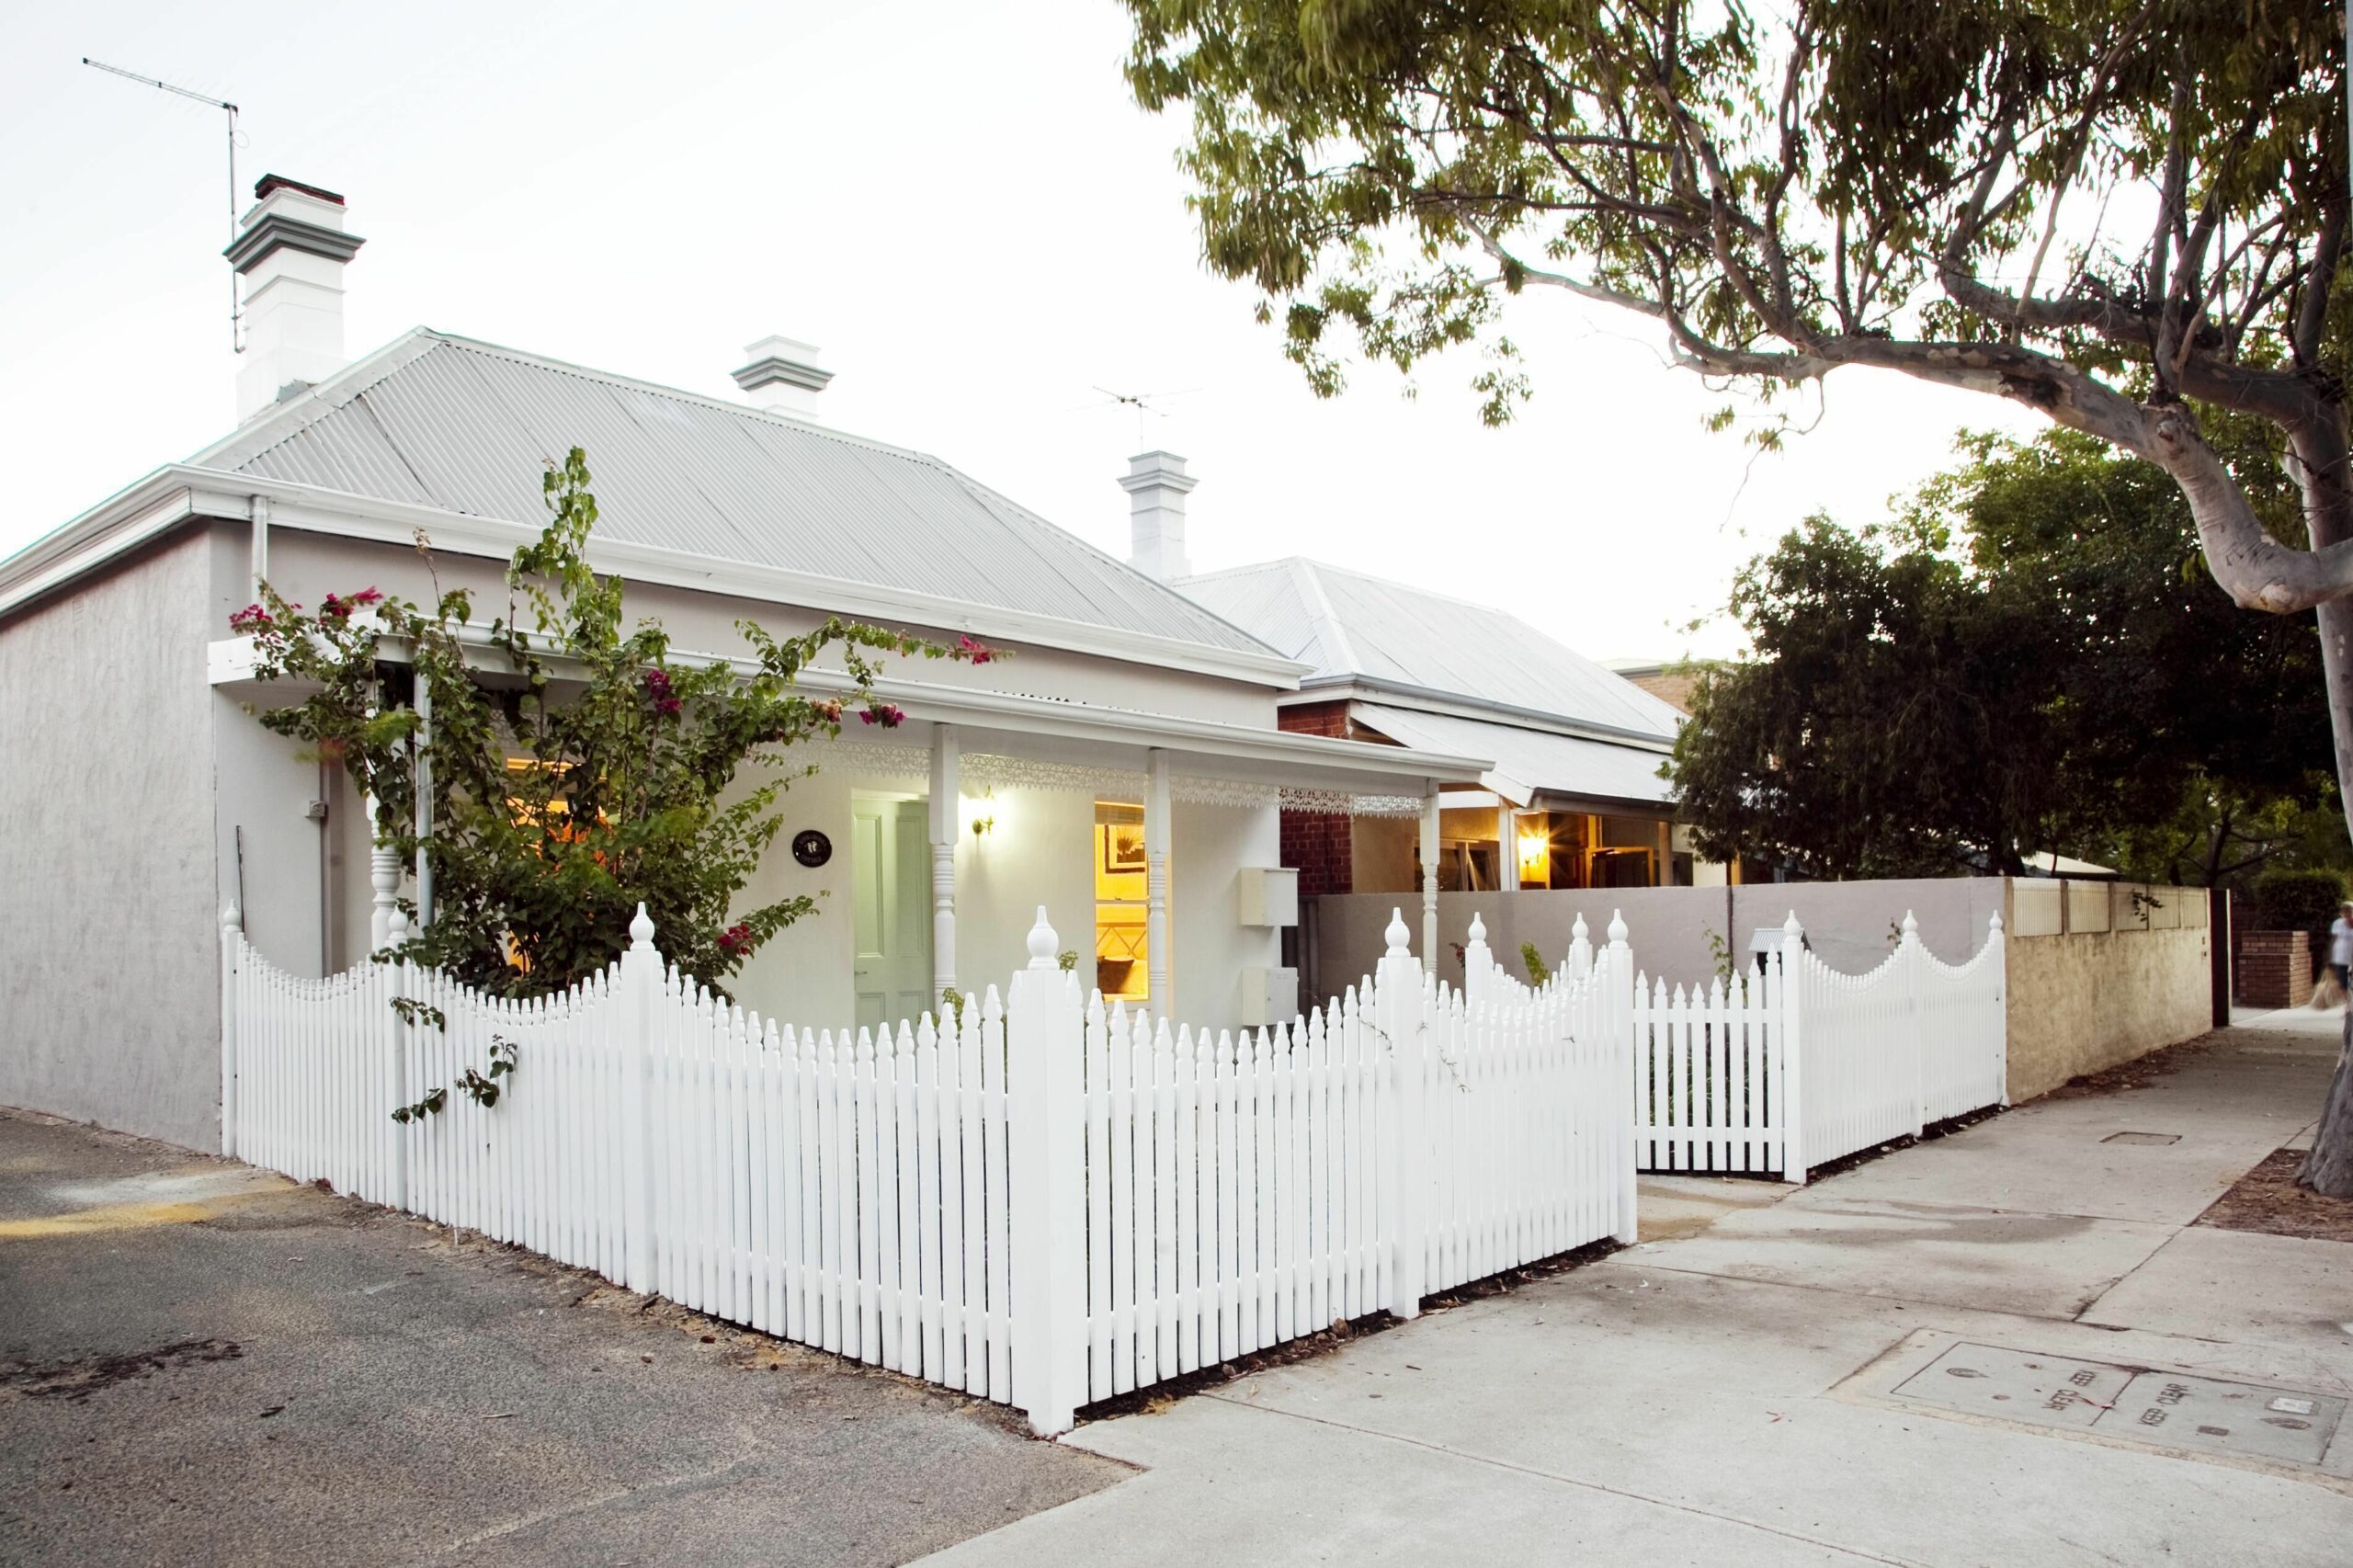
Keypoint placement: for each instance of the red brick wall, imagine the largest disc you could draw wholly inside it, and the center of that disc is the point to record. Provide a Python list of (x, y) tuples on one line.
[(1317, 845), (1314, 718), (2274, 968)]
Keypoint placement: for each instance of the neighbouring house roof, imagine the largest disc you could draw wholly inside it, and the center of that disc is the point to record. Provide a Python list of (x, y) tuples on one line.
[(464, 426), (1531, 762), (1364, 631), (1432, 672)]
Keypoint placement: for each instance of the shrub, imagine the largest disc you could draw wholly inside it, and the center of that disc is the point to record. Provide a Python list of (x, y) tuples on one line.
[(2288, 899)]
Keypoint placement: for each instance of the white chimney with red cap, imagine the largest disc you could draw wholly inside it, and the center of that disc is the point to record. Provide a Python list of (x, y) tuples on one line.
[(290, 251)]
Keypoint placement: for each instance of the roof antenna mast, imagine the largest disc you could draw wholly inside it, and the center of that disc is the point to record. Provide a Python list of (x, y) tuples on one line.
[(236, 308)]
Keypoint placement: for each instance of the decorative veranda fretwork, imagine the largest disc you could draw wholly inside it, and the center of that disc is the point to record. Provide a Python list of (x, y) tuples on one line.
[(996, 771)]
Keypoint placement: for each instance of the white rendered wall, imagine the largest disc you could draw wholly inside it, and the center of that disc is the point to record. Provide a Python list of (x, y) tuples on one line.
[(109, 944), (1041, 851), (1208, 847), (804, 976)]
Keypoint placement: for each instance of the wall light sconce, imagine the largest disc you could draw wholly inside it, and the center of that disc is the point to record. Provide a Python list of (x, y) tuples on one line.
[(1535, 848), (980, 816)]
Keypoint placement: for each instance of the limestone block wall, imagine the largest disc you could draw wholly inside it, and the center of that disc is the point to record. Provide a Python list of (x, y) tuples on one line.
[(2101, 972)]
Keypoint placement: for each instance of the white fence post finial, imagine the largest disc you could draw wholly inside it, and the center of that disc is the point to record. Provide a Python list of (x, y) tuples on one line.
[(1478, 964), (233, 937), (1623, 1024), (1792, 1073), (1400, 1014), (1580, 948), (640, 987), (1046, 1130)]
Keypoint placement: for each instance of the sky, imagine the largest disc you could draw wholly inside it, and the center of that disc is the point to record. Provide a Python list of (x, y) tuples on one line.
[(958, 202)]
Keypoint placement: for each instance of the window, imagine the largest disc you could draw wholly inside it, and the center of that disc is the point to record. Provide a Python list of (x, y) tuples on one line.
[(1123, 943)]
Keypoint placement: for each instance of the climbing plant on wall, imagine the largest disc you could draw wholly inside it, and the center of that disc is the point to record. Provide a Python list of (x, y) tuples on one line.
[(576, 768)]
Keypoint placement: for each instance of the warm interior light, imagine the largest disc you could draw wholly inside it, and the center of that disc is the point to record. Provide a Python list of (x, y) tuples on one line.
[(979, 815), (1533, 847)]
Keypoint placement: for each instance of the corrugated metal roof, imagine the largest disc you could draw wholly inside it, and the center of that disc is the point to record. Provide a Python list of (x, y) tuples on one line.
[(466, 427), (1528, 761), (1348, 624)]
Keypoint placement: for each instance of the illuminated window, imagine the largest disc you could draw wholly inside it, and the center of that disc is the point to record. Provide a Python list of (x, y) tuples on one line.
[(1122, 945)]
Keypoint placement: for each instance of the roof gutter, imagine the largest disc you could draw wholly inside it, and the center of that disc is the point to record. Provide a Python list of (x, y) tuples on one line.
[(177, 491), (231, 661), (1455, 704)]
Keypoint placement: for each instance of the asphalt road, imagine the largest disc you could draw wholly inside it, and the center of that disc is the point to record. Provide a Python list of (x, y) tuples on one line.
[(201, 1363)]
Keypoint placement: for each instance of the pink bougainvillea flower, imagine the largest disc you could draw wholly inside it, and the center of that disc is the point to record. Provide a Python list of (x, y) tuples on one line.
[(253, 618), (666, 706), (829, 712), (657, 683), (735, 942), (979, 653), (367, 596), (889, 715)]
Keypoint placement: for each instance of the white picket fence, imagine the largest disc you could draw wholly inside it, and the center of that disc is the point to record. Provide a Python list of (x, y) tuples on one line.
[(1793, 1065), (1043, 1202)]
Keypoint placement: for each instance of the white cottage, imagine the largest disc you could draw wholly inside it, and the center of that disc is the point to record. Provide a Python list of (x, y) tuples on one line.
[(1126, 769)]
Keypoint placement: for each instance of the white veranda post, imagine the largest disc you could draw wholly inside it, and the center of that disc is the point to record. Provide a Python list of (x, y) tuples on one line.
[(1429, 880), (424, 781), (1155, 882), (947, 786), (383, 880)]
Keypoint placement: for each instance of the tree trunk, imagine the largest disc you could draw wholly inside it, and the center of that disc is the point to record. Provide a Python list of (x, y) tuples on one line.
[(2320, 451), (2238, 554), (2328, 1168)]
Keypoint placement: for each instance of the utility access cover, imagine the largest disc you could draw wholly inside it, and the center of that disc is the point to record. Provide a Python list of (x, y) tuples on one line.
[(2172, 1410)]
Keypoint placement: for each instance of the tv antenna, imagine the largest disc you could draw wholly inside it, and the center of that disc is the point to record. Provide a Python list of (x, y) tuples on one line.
[(1146, 405), (236, 308)]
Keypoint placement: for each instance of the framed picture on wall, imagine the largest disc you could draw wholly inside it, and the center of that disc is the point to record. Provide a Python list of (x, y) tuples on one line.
[(1123, 847)]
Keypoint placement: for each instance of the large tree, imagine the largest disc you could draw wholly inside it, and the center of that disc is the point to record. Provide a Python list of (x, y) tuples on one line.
[(2017, 662), (1942, 190)]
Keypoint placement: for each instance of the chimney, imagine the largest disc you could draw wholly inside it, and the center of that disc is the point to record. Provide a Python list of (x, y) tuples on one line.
[(1156, 483), (783, 376), (289, 251)]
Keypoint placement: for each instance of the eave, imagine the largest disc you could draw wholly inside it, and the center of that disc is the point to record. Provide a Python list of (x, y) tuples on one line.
[(1402, 693), (178, 492)]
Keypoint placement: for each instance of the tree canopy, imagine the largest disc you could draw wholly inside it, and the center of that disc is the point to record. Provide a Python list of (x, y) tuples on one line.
[(2123, 213), (2024, 659)]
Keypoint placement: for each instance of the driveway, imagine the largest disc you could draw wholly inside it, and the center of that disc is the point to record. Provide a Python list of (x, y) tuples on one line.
[(2009, 1345), (200, 1363)]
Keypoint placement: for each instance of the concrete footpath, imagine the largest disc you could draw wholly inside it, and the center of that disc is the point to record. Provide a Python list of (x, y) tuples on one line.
[(2010, 1345), (203, 1363)]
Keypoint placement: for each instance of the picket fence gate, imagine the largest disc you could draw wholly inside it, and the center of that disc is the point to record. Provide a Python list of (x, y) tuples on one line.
[(1039, 1200), (1793, 1064)]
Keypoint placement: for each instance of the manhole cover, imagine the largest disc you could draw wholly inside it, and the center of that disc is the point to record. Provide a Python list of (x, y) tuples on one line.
[(2171, 1409), (2143, 1138)]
